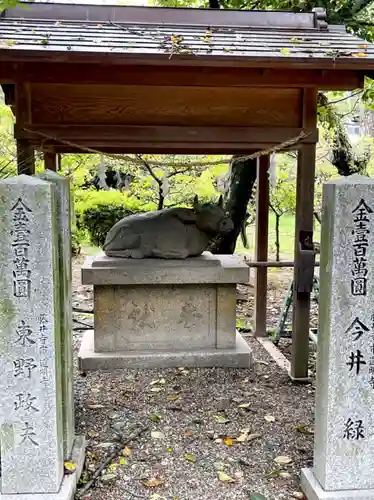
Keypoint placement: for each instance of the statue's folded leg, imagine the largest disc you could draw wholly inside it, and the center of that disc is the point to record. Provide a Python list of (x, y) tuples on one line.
[(170, 254), (126, 254)]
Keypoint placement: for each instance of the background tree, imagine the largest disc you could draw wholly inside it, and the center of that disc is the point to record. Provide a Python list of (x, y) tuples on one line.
[(358, 16)]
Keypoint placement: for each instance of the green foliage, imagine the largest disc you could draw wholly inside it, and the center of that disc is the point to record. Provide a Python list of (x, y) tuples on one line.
[(8, 4), (283, 194), (175, 181), (97, 211)]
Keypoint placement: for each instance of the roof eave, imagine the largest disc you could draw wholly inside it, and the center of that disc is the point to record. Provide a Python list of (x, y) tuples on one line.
[(224, 60)]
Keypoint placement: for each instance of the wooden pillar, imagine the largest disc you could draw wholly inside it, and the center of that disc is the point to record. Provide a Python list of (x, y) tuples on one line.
[(303, 228), (25, 157), (261, 245), (50, 161), (25, 151)]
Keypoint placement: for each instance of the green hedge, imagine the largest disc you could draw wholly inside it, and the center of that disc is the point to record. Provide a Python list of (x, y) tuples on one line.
[(97, 211)]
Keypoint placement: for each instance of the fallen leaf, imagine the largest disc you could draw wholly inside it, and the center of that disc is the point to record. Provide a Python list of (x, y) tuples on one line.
[(285, 51), (222, 419), (173, 397), (183, 371), (260, 362), (253, 436), (242, 438), (303, 429), (156, 389), (227, 49), (176, 38), (208, 36), (112, 467), (269, 418), (324, 43), (153, 482), (282, 460), (161, 381), (108, 477), (257, 496), (298, 494), (157, 435), (105, 445), (296, 40), (155, 417), (123, 461), (363, 46), (359, 54), (69, 467), (92, 434), (245, 406), (190, 457), (219, 465), (273, 473), (126, 452), (229, 441), (170, 449), (285, 475), (222, 476), (10, 43)]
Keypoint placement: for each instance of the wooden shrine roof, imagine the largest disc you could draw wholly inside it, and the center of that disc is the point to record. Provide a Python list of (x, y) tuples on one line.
[(60, 32)]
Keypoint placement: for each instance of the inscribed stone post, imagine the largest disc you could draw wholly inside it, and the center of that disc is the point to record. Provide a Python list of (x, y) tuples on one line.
[(344, 422), (63, 219), (30, 382)]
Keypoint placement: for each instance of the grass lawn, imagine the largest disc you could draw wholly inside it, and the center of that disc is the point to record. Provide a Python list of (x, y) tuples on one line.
[(286, 236)]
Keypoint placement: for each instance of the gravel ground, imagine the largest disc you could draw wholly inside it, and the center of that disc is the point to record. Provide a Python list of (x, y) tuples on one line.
[(199, 442)]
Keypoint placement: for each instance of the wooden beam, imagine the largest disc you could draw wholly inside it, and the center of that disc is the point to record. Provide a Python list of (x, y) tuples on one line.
[(158, 138), (25, 157), (303, 224), (261, 248), (50, 161), (54, 72)]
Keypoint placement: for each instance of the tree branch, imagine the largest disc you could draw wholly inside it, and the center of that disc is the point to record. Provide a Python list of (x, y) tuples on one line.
[(149, 169)]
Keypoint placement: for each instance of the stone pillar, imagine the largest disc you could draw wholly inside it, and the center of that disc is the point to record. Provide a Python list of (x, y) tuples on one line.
[(63, 219), (31, 296), (344, 421), (30, 396)]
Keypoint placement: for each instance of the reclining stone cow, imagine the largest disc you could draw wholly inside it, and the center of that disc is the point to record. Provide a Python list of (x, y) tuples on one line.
[(172, 233)]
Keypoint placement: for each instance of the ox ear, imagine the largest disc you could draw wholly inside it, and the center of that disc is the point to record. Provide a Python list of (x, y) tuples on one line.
[(196, 202), (220, 202)]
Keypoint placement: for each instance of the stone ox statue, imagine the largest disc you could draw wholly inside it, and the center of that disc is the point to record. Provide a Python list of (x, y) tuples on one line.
[(172, 233)]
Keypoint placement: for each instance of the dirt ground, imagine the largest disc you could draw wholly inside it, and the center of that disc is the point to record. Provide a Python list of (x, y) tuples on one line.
[(212, 434)]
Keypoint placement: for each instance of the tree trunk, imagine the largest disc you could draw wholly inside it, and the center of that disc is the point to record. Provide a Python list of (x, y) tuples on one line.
[(317, 217), (277, 239), (161, 198), (343, 157), (238, 193)]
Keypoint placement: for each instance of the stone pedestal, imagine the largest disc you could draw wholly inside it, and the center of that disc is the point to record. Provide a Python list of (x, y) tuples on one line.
[(344, 438), (164, 313)]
